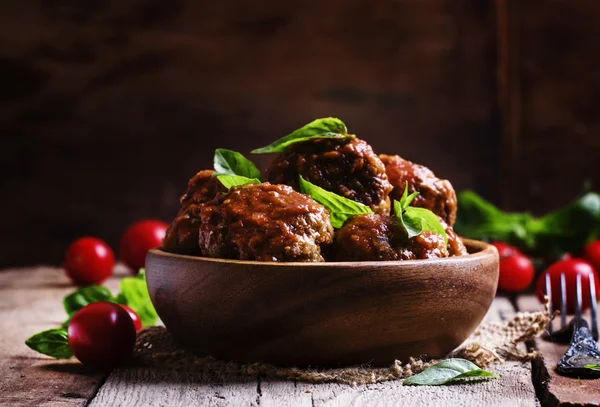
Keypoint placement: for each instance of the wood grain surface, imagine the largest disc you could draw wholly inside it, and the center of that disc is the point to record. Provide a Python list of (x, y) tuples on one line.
[(31, 301), (548, 88), (158, 387), (322, 314)]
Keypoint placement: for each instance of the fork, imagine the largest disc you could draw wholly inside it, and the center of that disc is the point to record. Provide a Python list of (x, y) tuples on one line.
[(582, 349)]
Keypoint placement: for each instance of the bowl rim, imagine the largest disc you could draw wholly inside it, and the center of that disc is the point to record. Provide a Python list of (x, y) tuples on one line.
[(483, 250)]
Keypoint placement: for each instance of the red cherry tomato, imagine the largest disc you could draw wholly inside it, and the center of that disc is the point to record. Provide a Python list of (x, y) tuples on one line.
[(101, 335), (504, 249), (138, 239), (570, 268), (516, 272), (137, 322), (591, 253), (89, 261)]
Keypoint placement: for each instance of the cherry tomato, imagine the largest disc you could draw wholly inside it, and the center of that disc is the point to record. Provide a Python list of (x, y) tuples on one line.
[(138, 239), (516, 272), (89, 261), (101, 335), (591, 253), (504, 249), (137, 322), (570, 268)]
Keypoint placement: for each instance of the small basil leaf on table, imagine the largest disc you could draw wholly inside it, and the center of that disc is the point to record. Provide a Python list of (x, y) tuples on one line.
[(84, 296), (53, 342), (229, 181), (340, 209), (233, 163), (328, 127), (448, 371), (134, 294)]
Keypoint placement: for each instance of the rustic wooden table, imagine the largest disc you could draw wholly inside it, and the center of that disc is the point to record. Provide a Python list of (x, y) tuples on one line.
[(30, 301)]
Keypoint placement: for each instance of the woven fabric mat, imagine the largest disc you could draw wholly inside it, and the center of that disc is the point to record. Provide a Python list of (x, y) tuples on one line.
[(494, 342)]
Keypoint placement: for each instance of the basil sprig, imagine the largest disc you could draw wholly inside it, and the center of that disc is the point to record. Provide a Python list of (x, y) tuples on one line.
[(416, 220), (340, 209), (84, 296), (229, 181), (233, 169), (134, 294), (327, 127), (53, 342), (233, 163), (448, 371)]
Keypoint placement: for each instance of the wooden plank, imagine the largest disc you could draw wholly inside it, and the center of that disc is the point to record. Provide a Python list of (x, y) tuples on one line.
[(31, 301), (509, 97), (155, 387), (514, 388), (180, 388), (282, 393), (552, 388)]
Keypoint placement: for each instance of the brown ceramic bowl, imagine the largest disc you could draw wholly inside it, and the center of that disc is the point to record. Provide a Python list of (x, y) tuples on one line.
[(322, 314)]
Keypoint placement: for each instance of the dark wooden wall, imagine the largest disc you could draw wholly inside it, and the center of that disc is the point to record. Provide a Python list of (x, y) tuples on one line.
[(549, 92), (107, 107)]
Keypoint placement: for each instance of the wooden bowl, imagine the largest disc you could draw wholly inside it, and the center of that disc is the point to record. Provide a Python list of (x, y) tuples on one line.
[(322, 314)]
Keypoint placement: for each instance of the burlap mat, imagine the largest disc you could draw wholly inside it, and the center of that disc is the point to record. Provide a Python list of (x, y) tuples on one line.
[(494, 342)]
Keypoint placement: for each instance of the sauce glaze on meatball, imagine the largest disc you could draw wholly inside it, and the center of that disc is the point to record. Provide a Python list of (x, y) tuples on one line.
[(435, 194), (347, 167), (376, 237), (264, 222), (182, 233)]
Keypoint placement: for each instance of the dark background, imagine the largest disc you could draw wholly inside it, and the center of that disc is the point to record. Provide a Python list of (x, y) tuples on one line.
[(107, 107)]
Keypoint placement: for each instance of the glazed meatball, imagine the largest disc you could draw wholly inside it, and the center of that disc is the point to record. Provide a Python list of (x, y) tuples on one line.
[(380, 237), (347, 167), (376, 237), (182, 233), (435, 194), (456, 247), (264, 222)]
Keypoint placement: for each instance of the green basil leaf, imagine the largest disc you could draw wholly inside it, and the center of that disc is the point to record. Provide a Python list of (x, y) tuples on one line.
[(53, 342), (592, 366), (233, 163), (229, 181), (406, 199), (427, 219), (340, 209), (134, 294), (446, 372), (416, 220), (84, 296), (328, 127)]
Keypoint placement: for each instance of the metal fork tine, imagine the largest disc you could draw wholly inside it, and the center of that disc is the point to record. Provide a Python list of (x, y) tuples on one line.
[(563, 301), (549, 295), (578, 297), (593, 306)]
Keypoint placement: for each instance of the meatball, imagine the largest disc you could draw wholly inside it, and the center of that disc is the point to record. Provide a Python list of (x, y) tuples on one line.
[(456, 247), (264, 222), (380, 237), (435, 194), (182, 233), (347, 167)]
